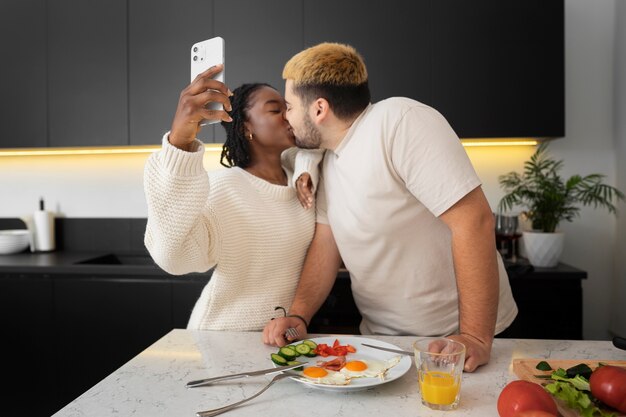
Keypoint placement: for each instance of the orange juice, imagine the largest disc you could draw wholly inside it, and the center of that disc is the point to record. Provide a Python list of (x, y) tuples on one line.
[(438, 387)]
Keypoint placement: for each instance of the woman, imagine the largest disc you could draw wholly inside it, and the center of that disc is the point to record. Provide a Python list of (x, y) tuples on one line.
[(246, 221)]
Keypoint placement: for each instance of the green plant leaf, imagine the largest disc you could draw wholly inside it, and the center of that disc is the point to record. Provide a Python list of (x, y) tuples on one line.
[(547, 198)]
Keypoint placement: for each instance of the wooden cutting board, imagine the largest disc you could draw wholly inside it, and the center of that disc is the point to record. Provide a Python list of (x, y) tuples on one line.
[(526, 369)]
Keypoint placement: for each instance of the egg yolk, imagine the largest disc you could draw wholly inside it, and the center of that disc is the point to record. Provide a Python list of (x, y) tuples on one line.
[(356, 366), (315, 372)]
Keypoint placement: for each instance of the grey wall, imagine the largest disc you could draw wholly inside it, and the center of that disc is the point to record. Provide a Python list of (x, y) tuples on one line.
[(618, 323), (589, 147)]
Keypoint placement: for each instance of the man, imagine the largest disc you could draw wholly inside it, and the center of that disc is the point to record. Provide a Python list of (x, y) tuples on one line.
[(400, 204)]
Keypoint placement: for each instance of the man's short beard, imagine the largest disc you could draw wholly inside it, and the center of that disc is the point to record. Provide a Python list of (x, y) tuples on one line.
[(311, 138)]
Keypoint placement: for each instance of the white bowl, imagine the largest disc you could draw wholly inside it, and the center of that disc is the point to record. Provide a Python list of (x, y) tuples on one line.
[(13, 241)]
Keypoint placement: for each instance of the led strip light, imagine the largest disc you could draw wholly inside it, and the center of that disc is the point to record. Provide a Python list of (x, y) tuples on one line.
[(122, 150)]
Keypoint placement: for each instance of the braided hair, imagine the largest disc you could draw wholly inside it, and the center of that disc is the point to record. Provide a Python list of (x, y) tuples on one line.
[(236, 149)]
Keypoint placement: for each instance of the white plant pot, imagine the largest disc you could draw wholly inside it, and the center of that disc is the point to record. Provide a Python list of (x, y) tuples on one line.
[(543, 249)]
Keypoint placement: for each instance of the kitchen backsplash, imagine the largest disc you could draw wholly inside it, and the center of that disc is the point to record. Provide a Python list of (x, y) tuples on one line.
[(84, 234)]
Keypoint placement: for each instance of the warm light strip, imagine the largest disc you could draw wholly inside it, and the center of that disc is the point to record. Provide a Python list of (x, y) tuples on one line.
[(91, 151), (505, 142), (214, 148)]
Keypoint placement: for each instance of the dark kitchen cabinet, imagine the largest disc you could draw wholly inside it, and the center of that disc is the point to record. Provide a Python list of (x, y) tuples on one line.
[(535, 291), (103, 322), (159, 42), (109, 72), (26, 319), (87, 71), (23, 88), (393, 36), (498, 67), (260, 37), (66, 332), (339, 313), (186, 290)]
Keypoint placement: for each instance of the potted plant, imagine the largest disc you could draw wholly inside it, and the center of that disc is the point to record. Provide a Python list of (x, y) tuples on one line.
[(549, 199)]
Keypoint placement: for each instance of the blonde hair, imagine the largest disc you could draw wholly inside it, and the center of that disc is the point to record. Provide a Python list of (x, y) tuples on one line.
[(327, 63)]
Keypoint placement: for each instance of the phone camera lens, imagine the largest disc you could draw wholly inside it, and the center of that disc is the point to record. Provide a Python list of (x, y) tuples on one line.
[(195, 49), (195, 58)]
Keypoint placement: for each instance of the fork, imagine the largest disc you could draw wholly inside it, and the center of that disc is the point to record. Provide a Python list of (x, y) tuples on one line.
[(292, 333), (216, 411)]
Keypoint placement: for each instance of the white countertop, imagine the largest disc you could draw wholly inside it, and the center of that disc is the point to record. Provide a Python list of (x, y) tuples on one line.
[(153, 383)]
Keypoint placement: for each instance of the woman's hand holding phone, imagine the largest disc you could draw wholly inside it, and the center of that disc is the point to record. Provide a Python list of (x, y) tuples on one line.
[(192, 109)]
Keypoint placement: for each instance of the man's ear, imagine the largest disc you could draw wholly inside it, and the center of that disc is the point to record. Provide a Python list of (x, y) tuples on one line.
[(320, 110)]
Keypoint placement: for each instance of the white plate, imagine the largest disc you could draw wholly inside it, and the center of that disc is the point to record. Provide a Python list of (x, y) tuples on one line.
[(362, 352)]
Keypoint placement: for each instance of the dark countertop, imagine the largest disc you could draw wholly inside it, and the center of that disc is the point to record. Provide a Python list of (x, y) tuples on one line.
[(72, 263), (103, 263), (523, 270)]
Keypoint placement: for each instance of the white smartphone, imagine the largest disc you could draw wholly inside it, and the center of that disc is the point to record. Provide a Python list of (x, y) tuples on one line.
[(204, 55)]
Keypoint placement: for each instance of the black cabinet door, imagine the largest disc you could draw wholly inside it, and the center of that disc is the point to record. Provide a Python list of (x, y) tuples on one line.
[(87, 73), (23, 87), (393, 37), (339, 313), (498, 66), (101, 323), (161, 34), (260, 37), (28, 343), (535, 318), (185, 292)]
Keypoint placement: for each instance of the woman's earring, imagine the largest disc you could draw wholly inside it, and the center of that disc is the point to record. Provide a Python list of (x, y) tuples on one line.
[(250, 136)]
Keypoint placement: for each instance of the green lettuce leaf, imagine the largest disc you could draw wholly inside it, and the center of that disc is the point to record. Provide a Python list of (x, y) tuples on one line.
[(574, 398)]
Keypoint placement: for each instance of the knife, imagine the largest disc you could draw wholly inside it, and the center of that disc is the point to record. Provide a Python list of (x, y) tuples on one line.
[(401, 352), (209, 381)]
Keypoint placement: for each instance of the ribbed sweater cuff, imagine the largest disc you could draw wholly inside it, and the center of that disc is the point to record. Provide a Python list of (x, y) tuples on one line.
[(308, 161), (181, 162)]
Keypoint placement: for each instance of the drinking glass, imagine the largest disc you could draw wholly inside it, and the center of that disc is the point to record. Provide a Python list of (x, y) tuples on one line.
[(439, 363), (506, 231)]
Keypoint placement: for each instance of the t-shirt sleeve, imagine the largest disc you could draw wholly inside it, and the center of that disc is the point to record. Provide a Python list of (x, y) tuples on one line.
[(429, 157)]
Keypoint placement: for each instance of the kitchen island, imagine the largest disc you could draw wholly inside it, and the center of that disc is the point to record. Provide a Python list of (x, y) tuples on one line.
[(153, 383)]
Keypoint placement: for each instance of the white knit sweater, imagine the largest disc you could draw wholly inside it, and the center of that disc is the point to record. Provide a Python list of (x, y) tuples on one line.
[(254, 233)]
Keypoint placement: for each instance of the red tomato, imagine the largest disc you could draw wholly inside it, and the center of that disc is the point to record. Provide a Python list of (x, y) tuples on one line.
[(608, 384), (324, 350), (534, 413), (520, 396)]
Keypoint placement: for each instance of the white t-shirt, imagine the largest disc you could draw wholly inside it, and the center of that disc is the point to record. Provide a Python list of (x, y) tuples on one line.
[(399, 167)]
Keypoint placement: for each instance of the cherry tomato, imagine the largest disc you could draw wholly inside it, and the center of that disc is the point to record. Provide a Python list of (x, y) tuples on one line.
[(534, 413), (608, 384), (520, 396)]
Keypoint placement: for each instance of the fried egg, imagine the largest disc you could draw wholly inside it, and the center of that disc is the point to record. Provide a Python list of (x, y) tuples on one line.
[(324, 376), (368, 368)]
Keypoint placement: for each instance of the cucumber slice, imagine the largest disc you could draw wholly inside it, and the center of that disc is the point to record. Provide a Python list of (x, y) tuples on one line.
[(300, 368), (278, 360), (303, 349), (310, 343), (295, 350), (287, 353)]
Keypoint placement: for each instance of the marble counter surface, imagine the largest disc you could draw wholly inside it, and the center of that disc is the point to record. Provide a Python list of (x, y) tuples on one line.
[(153, 383)]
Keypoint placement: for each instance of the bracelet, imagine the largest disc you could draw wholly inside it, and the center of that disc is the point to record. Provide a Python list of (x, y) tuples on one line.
[(299, 317), (292, 315)]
